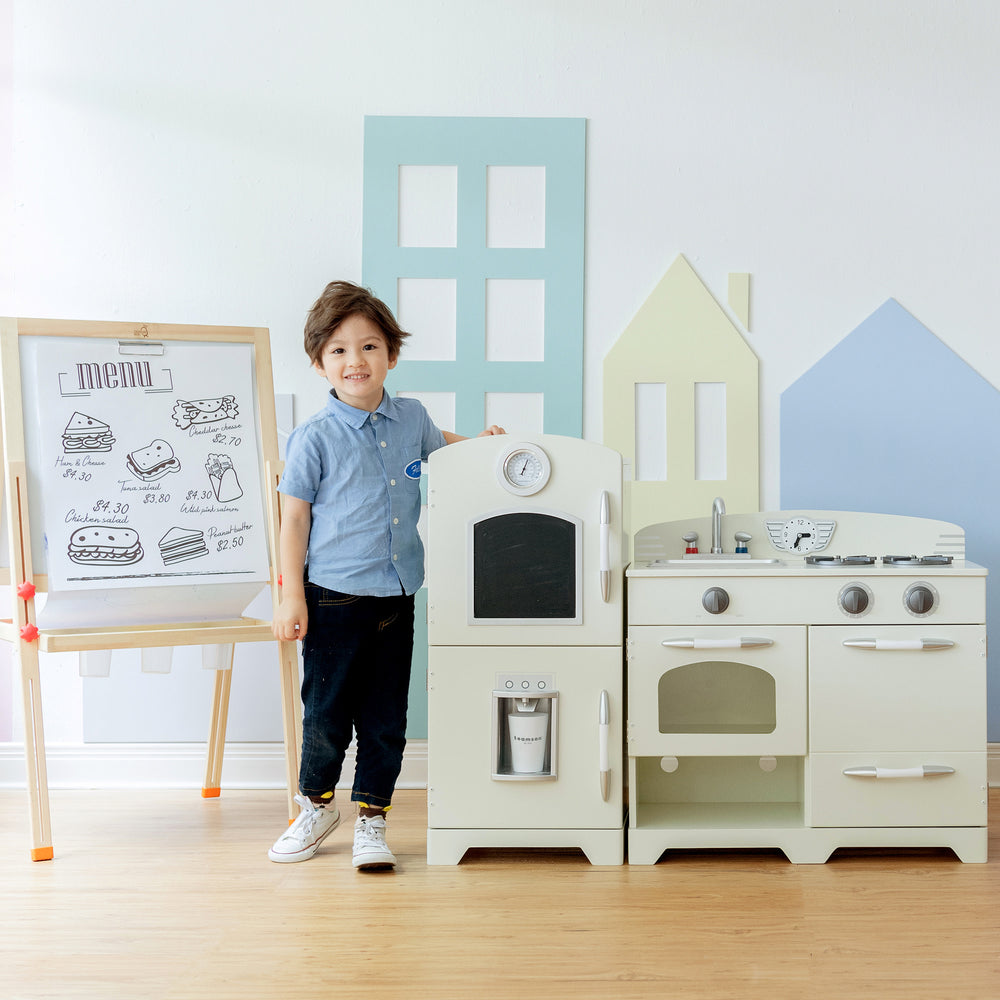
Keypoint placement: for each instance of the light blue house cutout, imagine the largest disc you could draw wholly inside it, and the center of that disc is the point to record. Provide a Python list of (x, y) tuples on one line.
[(472, 145), (892, 420)]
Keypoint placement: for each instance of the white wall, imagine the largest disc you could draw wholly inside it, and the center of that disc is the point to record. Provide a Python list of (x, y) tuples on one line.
[(201, 160)]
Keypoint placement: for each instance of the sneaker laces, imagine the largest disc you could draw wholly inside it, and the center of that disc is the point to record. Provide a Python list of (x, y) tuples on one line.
[(307, 818), (372, 829)]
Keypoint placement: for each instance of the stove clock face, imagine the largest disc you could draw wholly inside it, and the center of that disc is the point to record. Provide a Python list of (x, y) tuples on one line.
[(800, 535), (524, 470)]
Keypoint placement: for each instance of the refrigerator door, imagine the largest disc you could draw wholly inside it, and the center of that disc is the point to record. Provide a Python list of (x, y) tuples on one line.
[(587, 790)]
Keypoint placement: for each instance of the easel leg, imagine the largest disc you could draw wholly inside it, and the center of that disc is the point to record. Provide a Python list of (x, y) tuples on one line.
[(34, 755), (212, 786), (291, 715)]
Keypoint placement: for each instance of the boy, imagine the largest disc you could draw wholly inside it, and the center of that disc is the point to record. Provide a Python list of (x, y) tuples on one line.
[(351, 561)]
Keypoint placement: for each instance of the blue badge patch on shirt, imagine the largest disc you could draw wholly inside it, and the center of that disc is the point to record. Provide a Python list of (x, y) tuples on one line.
[(413, 470)]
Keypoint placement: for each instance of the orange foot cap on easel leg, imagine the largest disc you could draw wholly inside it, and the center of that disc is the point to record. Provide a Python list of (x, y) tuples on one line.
[(211, 793), (41, 854)]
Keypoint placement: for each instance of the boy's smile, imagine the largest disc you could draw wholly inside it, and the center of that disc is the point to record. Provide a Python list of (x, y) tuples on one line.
[(355, 361)]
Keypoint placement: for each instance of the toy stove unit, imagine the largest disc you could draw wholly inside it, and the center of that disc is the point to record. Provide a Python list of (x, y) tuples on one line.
[(525, 661), (796, 695)]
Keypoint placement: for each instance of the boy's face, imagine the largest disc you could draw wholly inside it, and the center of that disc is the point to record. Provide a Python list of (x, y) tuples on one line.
[(355, 361)]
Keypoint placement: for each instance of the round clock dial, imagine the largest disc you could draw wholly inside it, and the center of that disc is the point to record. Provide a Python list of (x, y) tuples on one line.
[(800, 535), (524, 469)]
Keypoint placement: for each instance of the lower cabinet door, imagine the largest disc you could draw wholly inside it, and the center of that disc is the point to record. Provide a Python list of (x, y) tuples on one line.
[(897, 789)]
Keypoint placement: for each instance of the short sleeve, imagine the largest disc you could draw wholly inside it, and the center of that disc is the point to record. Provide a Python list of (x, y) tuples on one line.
[(303, 465)]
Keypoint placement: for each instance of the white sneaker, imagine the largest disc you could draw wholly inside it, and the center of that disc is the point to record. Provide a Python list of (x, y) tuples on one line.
[(370, 850), (312, 826)]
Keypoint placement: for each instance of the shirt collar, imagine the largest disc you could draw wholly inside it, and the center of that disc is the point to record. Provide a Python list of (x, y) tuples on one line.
[(356, 418)]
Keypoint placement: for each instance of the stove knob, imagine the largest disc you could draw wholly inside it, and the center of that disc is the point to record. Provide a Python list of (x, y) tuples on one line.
[(919, 599), (854, 600), (715, 600)]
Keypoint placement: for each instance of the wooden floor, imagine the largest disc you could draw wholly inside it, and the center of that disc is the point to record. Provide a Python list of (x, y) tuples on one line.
[(166, 895)]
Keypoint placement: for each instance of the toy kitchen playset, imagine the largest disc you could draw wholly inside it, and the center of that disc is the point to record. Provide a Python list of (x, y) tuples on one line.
[(783, 691)]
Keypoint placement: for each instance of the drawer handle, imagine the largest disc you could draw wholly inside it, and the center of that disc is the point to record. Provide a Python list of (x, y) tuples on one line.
[(883, 644), (923, 771), (746, 642)]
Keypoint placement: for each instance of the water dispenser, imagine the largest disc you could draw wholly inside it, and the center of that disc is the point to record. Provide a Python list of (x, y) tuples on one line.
[(525, 717)]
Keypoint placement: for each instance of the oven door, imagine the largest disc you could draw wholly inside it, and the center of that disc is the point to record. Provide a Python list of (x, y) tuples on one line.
[(717, 692)]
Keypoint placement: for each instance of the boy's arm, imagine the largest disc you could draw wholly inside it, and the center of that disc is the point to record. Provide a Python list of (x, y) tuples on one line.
[(451, 438), (290, 618)]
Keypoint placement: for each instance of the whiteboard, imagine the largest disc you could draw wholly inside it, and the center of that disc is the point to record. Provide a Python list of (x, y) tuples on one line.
[(144, 467)]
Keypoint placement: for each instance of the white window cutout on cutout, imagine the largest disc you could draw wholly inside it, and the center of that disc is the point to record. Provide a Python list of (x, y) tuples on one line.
[(515, 319), (515, 207), (516, 412), (428, 206), (710, 430), (440, 406), (426, 309), (650, 431)]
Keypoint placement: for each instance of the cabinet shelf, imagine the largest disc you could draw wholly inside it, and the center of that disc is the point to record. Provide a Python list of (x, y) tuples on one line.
[(718, 815)]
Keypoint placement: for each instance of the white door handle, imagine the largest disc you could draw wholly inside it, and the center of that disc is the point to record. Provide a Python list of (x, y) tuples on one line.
[(603, 727), (744, 642), (921, 771), (885, 644), (605, 546)]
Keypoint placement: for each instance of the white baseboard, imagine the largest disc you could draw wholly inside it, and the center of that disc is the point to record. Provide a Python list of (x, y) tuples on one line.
[(182, 765), (178, 765)]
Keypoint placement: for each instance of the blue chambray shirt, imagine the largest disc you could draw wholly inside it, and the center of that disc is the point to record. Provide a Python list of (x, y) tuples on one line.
[(361, 473)]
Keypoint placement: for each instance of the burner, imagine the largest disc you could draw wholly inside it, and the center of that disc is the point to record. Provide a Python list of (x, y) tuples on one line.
[(934, 560), (840, 560)]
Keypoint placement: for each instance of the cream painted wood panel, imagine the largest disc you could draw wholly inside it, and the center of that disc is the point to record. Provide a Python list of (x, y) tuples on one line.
[(682, 336)]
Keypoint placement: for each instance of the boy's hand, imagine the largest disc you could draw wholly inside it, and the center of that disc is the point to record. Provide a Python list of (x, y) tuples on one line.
[(491, 430), (291, 620)]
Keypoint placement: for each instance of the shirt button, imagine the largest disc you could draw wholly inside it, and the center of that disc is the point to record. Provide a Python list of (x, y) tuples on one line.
[(395, 520), (382, 443), (374, 417), (392, 482), (394, 558)]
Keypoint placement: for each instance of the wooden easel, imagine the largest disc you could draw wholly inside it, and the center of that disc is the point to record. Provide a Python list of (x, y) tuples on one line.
[(21, 629)]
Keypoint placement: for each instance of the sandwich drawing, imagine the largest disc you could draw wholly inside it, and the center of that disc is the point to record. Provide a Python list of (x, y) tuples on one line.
[(204, 411), (181, 544), (86, 434), (152, 462), (104, 545), (222, 476)]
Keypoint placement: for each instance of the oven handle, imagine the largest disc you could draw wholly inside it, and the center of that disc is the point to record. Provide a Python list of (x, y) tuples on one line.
[(922, 771), (744, 642), (605, 546), (884, 644)]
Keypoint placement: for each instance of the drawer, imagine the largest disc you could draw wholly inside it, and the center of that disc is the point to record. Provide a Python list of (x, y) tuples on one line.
[(896, 797), (867, 689), (722, 691)]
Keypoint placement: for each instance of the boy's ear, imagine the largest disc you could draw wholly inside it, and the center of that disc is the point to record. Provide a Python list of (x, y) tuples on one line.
[(392, 361)]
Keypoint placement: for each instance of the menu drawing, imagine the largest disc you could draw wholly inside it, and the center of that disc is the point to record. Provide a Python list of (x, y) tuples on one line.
[(149, 467)]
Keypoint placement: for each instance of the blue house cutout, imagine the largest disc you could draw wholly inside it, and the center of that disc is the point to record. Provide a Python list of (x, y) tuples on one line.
[(892, 420)]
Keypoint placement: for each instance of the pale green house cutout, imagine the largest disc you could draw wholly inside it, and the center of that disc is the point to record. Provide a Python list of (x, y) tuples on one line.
[(474, 236), (684, 365)]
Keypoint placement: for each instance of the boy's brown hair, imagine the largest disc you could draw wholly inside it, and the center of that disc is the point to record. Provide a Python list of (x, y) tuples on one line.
[(341, 299)]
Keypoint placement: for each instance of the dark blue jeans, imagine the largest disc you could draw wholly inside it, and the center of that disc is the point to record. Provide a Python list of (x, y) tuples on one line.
[(356, 675)]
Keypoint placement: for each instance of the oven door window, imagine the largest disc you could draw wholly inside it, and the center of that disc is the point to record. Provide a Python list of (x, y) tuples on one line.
[(526, 569)]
